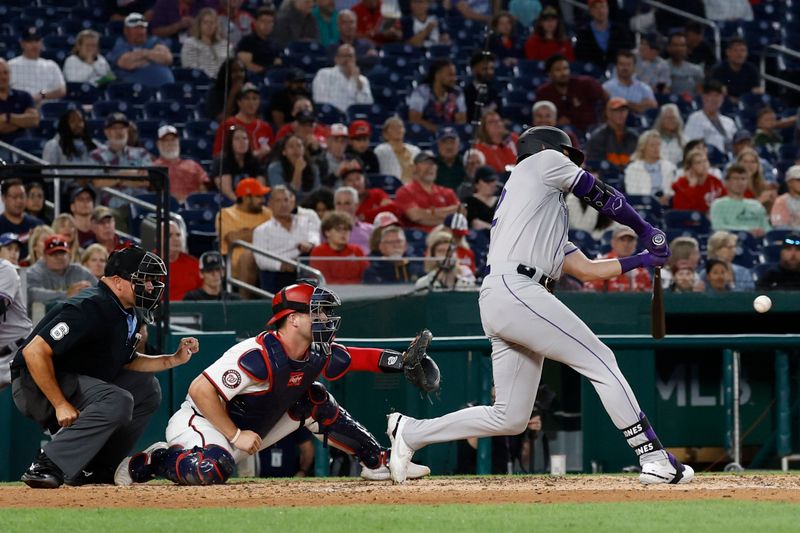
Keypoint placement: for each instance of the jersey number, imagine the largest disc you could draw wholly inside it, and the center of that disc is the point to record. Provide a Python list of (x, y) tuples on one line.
[(497, 207)]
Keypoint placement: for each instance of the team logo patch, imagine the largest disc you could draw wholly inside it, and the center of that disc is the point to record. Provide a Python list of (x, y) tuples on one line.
[(295, 378), (59, 331), (659, 239), (231, 379), (392, 360)]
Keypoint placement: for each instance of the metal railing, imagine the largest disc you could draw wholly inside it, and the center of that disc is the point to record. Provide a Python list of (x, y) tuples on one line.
[(779, 48), (298, 265), (691, 16)]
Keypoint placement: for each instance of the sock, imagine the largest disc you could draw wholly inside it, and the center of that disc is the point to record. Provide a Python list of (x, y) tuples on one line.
[(644, 441)]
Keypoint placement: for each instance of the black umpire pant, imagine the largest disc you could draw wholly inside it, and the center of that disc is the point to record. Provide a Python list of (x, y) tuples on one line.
[(113, 416)]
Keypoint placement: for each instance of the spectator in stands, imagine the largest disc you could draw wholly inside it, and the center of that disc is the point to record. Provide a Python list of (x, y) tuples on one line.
[(482, 67), (326, 15), (438, 99), (94, 259), (343, 84), (370, 201), (685, 78), (698, 188), (548, 37), (684, 278), (366, 54), (184, 269), (722, 247), (292, 166), (14, 219), (477, 10), (649, 174), (119, 10), (30, 72), (286, 235), (482, 203), (360, 132), (383, 220), (545, 113), (336, 228), (237, 222), (204, 49), (86, 64), (396, 157), (55, 277), (221, 97), (18, 112), (669, 124), (758, 187), (317, 204), (613, 141), (283, 103), (104, 227), (72, 143), (651, 68), (737, 74), (699, 50), (598, 41), (685, 254), (420, 28), (173, 18), (314, 134), (443, 271), (718, 276), (81, 205), (623, 244), (708, 123), (456, 224), (345, 200), (422, 203), (576, 97), (241, 21), (504, 42), (449, 166), (498, 146), (623, 85), (248, 102), (734, 212), (331, 159), (212, 271), (9, 248), (371, 24), (699, 144), (259, 50), (186, 176), (393, 245), (64, 225), (742, 142), (138, 58), (786, 274), (296, 23), (786, 210), (237, 163), (34, 202), (35, 244), (767, 134)]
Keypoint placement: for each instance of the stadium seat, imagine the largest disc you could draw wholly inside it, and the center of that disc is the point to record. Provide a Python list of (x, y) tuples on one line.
[(695, 221), (207, 200), (478, 241), (54, 110), (185, 93), (439, 51), (418, 135), (148, 129), (584, 240), (747, 241), (191, 75), (169, 111), (327, 114), (372, 113), (131, 93), (200, 128), (716, 157), (32, 145), (527, 68), (199, 219), (83, 93), (746, 258), (96, 127), (386, 182), (296, 48), (197, 148), (416, 241), (776, 236), (102, 108), (772, 253), (398, 50)]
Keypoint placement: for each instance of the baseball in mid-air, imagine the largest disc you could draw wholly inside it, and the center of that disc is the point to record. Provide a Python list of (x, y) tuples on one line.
[(762, 303)]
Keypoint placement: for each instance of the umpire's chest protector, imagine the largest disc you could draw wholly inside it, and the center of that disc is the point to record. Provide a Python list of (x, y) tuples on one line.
[(289, 381)]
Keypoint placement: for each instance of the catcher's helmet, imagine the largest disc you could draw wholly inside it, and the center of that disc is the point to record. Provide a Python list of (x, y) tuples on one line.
[(534, 140), (306, 298)]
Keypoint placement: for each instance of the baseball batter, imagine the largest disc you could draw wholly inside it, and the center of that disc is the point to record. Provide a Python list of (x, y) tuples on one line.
[(528, 251)]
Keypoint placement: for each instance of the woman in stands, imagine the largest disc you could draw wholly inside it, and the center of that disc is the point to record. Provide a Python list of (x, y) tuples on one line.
[(670, 125), (64, 225), (292, 166), (94, 259), (86, 64), (548, 37), (480, 206), (34, 203), (229, 80), (504, 42), (722, 247), (698, 188), (72, 143), (648, 173), (498, 146), (204, 49), (759, 188), (36, 244), (235, 163)]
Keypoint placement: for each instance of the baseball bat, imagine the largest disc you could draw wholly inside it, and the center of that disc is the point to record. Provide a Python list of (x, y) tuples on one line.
[(658, 324)]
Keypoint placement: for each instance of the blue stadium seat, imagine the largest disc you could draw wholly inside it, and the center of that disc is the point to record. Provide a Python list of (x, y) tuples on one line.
[(416, 134), (716, 157), (151, 197), (746, 258), (184, 93), (466, 132), (148, 129), (307, 63), (295, 48), (404, 66), (687, 219), (199, 219), (527, 68), (416, 241), (439, 51), (191, 75), (95, 126), (772, 253), (388, 97), (789, 151), (327, 114), (206, 129), (197, 148), (54, 110), (584, 240), (519, 97), (32, 145), (46, 129), (386, 182), (398, 50), (747, 241), (103, 107), (207, 200), (169, 111), (372, 113), (132, 93)]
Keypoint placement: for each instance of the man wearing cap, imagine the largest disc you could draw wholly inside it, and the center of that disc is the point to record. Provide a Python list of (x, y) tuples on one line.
[(613, 141), (248, 102), (14, 219), (576, 97), (358, 148), (80, 376), (599, 40), (786, 274), (212, 271), (104, 227), (54, 277), (623, 85), (734, 212), (651, 68), (785, 211), (304, 124), (258, 51), (449, 167), (342, 85), (138, 58), (14, 322), (186, 176), (708, 123), (41, 78), (17, 109), (281, 102), (370, 201), (623, 244), (81, 205), (423, 203), (330, 160), (237, 222)]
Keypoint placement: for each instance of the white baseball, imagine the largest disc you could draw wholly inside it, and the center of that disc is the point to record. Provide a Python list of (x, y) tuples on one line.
[(762, 303)]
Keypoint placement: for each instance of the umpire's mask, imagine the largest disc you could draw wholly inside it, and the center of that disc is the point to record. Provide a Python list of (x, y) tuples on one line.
[(324, 315), (141, 268)]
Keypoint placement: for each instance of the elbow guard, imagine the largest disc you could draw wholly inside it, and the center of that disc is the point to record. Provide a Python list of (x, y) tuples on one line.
[(609, 202)]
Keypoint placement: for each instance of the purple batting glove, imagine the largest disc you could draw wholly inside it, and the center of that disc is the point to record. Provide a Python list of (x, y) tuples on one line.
[(655, 241), (642, 260)]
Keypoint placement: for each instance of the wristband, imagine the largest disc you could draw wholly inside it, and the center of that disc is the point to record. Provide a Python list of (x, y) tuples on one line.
[(236, 436), (631, 262)]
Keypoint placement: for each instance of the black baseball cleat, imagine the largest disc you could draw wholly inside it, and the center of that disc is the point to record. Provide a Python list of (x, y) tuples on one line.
[(43, 473), (99, 476)]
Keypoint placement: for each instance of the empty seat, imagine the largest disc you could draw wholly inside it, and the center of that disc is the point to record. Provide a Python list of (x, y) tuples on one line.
[(386, 182), (168, 111), (327, 114), (207, 200), (687, 219), (104, 107), (131, 93), (54, 110)]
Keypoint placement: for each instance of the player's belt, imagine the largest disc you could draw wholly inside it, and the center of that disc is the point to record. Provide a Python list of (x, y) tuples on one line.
[(536, 274)]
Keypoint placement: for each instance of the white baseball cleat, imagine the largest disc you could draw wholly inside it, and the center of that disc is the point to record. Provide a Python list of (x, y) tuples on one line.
[(666, 471), (401, 455), (381, 473), (123, 477)]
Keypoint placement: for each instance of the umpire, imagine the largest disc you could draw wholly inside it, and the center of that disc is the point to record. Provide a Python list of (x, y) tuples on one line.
[(79, 375)]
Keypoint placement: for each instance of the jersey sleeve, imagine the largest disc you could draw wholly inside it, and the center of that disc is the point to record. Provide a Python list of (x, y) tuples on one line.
[(557, 170), (65, 330), (9, 281), (227, 376), (569, 248)]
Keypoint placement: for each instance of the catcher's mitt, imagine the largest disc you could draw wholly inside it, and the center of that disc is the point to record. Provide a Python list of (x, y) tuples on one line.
[(420, 370)]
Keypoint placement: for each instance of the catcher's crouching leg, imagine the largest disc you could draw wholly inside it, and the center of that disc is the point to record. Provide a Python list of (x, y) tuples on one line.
[(209, 465), (338, 426)]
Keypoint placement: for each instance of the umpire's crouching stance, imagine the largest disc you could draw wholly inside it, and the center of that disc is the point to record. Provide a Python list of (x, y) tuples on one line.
[(78, 374)]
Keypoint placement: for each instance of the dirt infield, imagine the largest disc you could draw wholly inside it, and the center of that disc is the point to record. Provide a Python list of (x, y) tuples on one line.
[(437, 490)]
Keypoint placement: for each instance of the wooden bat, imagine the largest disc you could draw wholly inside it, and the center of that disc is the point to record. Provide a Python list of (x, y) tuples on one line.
[(658, 326)]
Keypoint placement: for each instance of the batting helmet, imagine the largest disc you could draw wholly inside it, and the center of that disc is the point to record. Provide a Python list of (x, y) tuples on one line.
[(534, 140)]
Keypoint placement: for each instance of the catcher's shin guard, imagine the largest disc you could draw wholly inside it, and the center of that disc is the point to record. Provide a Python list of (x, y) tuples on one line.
[(211, 465)]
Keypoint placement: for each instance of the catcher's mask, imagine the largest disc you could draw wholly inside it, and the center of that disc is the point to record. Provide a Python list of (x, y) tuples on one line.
[(319, 302), (145, 271)]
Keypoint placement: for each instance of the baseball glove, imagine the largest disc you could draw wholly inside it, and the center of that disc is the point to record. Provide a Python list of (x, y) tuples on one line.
[(420, 370)]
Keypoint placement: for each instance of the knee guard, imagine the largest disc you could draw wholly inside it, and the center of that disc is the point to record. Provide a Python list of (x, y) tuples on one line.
[(211, 465), (347, 434), (317, 404)]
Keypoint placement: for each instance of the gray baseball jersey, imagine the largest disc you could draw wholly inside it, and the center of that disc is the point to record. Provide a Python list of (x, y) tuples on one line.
[(15, 324)]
